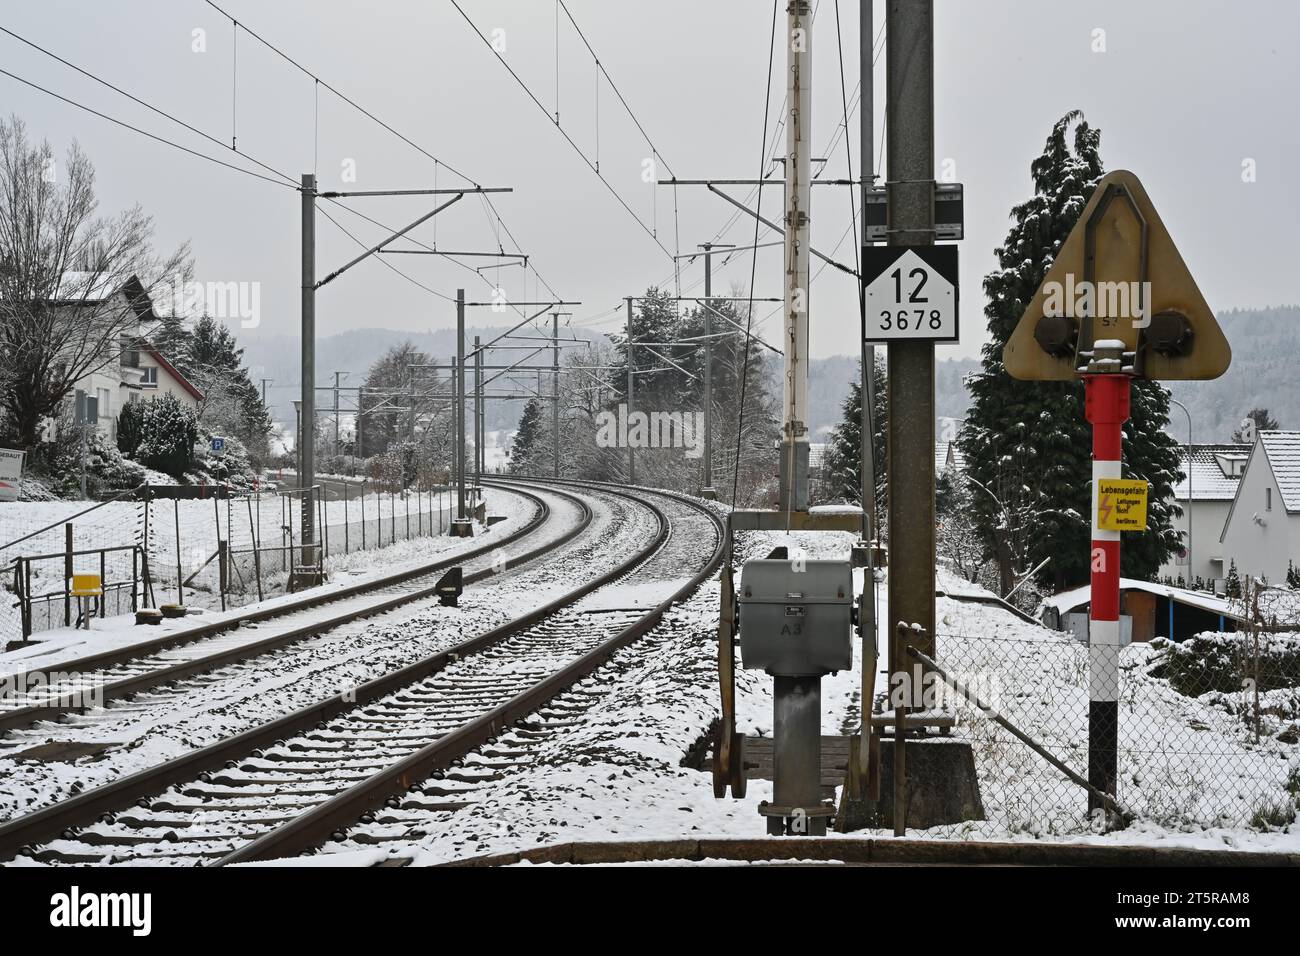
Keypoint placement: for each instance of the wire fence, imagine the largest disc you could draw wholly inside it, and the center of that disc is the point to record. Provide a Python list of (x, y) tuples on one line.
[(214, 551), (1207, 728)]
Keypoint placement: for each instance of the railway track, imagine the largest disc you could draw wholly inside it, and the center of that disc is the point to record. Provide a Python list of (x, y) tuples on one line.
[(292, 783), (72, 686), (128, 737)]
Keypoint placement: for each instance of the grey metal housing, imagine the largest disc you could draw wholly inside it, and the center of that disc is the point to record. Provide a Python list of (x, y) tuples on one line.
[(796, 617)]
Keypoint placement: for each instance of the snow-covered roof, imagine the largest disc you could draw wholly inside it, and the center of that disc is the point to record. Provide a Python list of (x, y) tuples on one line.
[(1069, 600), (91, 286), (942, 451), (1283, 451), (1211, 472)]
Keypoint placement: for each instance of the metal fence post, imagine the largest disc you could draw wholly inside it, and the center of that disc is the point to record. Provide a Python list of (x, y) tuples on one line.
[(27, 602), (255, 532), (322, 552), (67, 574), (223, 578), (901, 634), (180, 585)]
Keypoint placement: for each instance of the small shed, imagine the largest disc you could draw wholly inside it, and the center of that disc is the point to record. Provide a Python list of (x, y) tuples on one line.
[(1153, 610)]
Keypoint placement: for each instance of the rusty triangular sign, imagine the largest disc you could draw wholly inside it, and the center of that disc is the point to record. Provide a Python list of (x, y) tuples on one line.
[(1118, 276)]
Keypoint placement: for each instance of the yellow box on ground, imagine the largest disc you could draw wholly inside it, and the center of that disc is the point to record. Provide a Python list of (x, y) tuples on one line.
[(1121, 504)]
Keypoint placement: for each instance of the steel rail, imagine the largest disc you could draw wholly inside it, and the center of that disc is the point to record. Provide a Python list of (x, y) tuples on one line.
[(313, 827), (82, 810), (25, 716)]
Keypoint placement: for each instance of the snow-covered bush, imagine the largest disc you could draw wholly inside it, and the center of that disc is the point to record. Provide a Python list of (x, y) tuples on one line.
[(1213, 661), (107, 471), (167, 433), (231, 467)]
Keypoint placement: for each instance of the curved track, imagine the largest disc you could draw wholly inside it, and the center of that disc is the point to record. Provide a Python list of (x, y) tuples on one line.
[(120, 673), (281, 794)]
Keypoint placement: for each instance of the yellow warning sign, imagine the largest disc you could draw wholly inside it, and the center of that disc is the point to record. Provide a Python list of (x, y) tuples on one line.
[(1121, 504)]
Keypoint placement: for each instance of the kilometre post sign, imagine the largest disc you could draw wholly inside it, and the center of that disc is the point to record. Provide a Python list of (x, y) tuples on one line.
[(911, 292), (1121, 504)]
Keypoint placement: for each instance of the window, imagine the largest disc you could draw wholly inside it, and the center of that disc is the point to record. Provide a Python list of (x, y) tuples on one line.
[(105, 408), (150, 379), (1268, 499)]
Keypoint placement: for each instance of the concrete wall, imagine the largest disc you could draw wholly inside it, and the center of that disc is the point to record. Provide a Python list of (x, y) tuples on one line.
[(1260, 549)]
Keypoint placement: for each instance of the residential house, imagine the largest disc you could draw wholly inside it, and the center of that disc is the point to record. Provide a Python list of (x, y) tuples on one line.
[(1211, 474), (135, 370), (1262, 530)]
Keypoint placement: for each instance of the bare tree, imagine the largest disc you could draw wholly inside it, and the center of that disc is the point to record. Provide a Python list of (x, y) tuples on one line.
[(73, 285)]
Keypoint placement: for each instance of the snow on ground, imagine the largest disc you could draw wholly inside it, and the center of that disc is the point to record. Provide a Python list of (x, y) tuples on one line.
[(59, 645), (618, 775), (154, 727), (268, 518)]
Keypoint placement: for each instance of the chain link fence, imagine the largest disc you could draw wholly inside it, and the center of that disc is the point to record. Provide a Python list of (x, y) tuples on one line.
[(1207, 728), (149, 548)]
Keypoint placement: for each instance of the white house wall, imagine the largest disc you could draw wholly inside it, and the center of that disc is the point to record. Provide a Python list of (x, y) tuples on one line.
[(167, 384), (1208, 519), (1260, 549)]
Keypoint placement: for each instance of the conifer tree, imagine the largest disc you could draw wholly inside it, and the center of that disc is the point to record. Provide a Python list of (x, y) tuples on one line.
[(1232, 583), (527, 444), (1027, 444), (843, 469)]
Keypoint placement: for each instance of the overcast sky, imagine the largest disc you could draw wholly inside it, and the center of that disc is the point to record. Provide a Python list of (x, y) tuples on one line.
[(1184, 92)]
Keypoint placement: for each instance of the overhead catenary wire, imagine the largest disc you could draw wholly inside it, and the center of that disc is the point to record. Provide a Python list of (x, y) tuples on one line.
[(749, 316), (380, 122), (142, 132), (289, 182), (563, 132), (139, 102)]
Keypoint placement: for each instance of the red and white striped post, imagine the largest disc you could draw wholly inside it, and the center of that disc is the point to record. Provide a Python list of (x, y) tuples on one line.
[(1106, 406)]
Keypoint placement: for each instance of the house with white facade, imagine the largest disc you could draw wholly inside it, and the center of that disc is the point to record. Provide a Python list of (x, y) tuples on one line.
[(1262, 531), (134, 370), (1211, 475)]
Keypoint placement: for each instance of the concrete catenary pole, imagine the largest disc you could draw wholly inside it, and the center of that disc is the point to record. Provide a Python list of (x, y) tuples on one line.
[(867, 613), (460, 406), (478, 414), (631, 452), (555, 391), (796, 732), (307, 418), (798, 165), (866, 48), (909, 92), (336, 412), (708, 491)]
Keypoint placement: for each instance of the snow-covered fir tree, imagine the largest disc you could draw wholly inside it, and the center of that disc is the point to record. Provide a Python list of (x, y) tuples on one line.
[(526, 449), (842, 471), (1232, 583), (1027, 444)]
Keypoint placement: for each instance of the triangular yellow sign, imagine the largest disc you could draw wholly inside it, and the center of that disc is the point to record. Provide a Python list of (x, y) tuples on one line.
[(1118, 277)]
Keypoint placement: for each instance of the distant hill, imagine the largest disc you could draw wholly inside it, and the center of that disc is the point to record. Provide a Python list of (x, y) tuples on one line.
[(1264, 373)]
